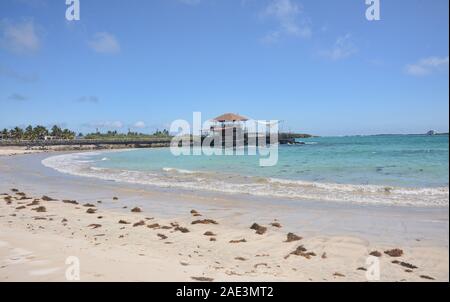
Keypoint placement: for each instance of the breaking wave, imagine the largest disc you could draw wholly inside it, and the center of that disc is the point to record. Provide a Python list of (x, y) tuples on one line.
[(81, 164)]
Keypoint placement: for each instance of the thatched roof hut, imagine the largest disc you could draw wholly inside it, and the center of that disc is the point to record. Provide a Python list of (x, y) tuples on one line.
[(230, 117)]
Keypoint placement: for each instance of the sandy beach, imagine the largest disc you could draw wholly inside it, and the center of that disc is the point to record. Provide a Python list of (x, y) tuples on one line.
[(122, 232), (10, 151)]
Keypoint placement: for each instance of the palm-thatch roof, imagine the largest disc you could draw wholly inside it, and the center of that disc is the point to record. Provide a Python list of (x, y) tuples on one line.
[(230, 117)]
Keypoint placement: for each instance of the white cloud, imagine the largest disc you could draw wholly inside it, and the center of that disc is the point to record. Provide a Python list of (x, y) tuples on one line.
[(342, 48), (427, 66), (290, 17), (108, 125), (19, 37), (139, 124), (104, 42)]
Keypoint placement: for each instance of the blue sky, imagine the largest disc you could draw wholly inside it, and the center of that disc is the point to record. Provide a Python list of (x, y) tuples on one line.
[(319, 66)]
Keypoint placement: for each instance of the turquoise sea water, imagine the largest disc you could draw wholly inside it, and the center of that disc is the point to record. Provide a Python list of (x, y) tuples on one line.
[(403, 169)]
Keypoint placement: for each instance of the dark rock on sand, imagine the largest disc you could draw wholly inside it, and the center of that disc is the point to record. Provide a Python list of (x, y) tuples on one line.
[(292, 237), (33, 203), (212, 239), (89, 205), (181, 229), (21, 208), (91, 211), (136, 210), (140, 223), (427, 277), (405, 264), (209, 233), (70, 201), (240, 258), (394, 252), (153, 226), (204, 221), (338, 274), (258, 228), (302, 251), (375, 254), (64, 220), (162, 236), (238, 241), (46, 198), (276, 224), (123, 222), (95, 226), (361, 269), (115, 198), (203, 279), (40, 209), (14, 190)]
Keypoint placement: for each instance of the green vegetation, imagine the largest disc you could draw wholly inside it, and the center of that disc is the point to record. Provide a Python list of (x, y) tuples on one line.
[(294, 135), (31, 133), (37, 133), (129, 135)]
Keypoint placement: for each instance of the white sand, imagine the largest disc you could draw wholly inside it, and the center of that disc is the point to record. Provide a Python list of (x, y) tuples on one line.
[(10, 151), (36, 250)]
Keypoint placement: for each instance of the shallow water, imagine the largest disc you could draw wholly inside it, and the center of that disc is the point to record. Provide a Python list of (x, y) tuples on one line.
[(391, 169)]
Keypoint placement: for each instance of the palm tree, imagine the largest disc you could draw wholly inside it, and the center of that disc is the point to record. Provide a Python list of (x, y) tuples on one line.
[(5, 133), (28, 134), (16, 133), (57, 132), (67, 134), (40, 132)]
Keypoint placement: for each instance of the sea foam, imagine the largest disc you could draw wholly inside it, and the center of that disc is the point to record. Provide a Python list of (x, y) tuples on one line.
[(81, 164)]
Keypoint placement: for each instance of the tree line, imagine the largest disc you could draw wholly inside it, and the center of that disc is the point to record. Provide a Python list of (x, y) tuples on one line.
[(37, 133), (40, 133)]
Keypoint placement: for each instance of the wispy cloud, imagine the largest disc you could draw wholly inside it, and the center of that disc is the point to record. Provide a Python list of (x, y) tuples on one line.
[(139, 125), (21, 37), (88, 99), (344, 47), (427, 66), (13, 74), (104, 42), (17, 97), (106, 125), (290, 18)]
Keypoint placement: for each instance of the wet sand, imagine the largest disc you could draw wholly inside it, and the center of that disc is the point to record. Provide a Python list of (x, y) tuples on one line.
[(164, 245)]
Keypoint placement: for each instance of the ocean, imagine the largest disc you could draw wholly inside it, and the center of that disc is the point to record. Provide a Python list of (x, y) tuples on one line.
[(386, 169)]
